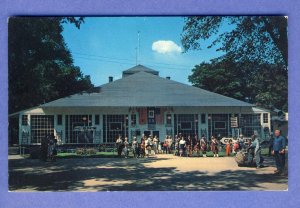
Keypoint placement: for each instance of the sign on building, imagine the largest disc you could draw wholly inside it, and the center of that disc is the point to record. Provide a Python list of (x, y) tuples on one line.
[(234, 122)]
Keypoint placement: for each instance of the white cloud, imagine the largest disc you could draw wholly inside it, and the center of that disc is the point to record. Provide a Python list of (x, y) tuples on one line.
[(165, 46)]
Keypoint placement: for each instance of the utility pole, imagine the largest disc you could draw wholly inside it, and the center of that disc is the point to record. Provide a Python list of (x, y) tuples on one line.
[(137, 48)]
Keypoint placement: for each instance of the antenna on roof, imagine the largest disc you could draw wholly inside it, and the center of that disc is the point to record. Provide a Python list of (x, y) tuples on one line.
[(138, 48)]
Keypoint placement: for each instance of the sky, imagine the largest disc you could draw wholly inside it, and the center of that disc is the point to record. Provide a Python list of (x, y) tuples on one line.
[(106, 46)]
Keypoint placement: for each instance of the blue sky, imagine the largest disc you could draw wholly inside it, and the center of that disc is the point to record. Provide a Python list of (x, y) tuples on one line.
[(105, 46)]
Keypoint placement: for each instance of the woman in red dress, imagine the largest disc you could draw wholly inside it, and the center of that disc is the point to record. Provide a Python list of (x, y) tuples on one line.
[(228, 148)]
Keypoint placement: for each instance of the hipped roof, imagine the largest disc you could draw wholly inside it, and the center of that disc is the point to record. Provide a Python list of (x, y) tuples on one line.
[(144, 89)]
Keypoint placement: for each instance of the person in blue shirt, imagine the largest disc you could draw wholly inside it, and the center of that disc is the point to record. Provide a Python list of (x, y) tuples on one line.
[(279, 144)]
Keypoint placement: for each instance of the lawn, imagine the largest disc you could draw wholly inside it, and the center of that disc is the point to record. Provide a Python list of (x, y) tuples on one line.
[(65, 155)]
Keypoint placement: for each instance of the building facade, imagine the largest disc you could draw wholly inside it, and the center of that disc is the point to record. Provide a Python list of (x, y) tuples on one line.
[(139, 103)]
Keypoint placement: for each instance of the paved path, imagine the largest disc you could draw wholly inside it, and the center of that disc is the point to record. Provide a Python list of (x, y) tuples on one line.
[(164, 172)]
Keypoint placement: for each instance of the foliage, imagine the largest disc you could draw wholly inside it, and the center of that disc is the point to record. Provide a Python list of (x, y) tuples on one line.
[(265, 85), (40, 64), (261, 39), (255, 64), (86, 151)]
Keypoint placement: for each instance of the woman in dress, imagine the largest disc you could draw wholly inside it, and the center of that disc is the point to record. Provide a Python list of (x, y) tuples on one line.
[(214, 146), (155, 144), (228, 149), (119, 144), (134, 147), (203, 146), (182, 146), (142, 148), (125, 149), (148, 146)]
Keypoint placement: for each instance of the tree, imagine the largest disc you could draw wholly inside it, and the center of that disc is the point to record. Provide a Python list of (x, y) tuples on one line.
[(264, 85), (255, 64), (40, 64), (262, 39)]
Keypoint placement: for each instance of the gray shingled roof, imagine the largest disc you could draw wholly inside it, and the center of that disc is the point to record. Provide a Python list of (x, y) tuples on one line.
[(145, 89), (139, 68)]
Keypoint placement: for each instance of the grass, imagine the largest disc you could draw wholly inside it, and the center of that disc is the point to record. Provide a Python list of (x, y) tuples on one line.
[(265, 152), (97, 155), (113, 155)]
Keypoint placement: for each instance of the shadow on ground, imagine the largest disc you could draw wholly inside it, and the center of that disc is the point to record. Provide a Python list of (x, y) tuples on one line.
[(122, 175)]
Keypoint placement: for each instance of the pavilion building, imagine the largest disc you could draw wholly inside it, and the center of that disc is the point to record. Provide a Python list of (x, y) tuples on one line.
[(141, 102)]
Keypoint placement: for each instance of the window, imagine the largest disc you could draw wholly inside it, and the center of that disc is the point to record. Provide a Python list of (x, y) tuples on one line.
[(24, 120), (151, 114), (186, 125), (113, 126), (251, 123), (220, 125), (59, 119), (169, 119), (203, 118), (116, 126), (97, 119), (41, 126), (73, 126), (133, 119), (265, 118)]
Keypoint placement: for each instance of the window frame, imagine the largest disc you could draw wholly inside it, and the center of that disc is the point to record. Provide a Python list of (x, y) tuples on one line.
[(25, 121), (151, 114), (97, 119), (203, 118), (191, 125), (111, 129), (265, 119), (59, 119), (224, 122)]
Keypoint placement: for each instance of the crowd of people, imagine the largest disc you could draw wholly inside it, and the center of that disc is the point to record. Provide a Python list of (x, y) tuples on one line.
[(179, 146), (48, 148), (190, 146)]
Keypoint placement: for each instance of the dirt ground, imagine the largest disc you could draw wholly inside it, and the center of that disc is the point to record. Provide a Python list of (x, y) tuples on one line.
[(159, 173)]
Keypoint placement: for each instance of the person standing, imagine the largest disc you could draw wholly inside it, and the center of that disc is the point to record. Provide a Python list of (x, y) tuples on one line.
[(257, 151), (188, 145), (44, 147), (169, 142), (214, 146), (203, 145), (142, 148), (119, 144), (271, 141), (241, 141), (125, 149), (228, 148), (279, 152), (51, 147), (148, 146), (155, 144), (182, 146), (134, 147)]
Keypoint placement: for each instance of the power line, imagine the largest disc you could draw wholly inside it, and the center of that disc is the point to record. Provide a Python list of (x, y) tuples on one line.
[(82, 56), (126, 63)]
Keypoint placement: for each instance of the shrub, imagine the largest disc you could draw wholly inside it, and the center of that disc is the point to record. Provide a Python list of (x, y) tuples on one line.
[(79, 151)]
